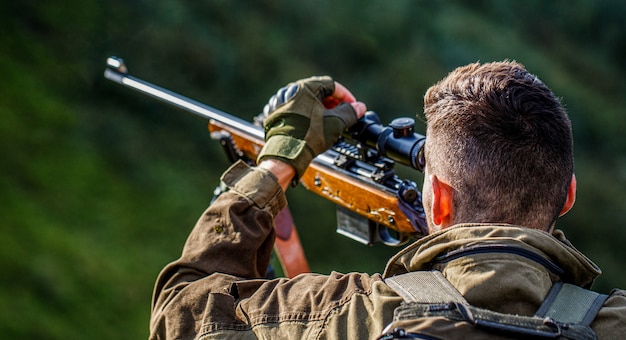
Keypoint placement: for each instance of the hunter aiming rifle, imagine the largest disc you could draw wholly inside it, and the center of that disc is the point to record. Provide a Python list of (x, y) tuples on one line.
[(357, 173)]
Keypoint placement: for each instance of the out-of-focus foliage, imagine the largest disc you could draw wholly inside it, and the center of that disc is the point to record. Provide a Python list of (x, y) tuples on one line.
[(100, 186)]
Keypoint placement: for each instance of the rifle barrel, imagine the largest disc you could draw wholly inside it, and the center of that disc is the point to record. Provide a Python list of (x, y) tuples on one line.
[(116, 71)]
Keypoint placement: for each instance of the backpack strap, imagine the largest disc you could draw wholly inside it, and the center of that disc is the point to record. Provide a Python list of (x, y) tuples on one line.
[(425, 287), (429, 293), (571, 304), (567, 310)]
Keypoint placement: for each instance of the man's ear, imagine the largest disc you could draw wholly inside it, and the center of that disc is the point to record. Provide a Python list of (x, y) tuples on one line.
[(571, 196), (441, 202)]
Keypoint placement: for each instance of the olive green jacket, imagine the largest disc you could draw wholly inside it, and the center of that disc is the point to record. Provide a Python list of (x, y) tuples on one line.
[(216, 291)]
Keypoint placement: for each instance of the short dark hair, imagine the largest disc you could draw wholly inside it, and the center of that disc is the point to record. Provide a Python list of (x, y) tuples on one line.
[(504, 142)]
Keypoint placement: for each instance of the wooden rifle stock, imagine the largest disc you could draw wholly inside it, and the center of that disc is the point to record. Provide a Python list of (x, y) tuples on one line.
[(372, 199), (364, 197)]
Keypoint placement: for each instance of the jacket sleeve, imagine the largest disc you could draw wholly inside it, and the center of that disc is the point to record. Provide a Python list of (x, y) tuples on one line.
[(234, 236)]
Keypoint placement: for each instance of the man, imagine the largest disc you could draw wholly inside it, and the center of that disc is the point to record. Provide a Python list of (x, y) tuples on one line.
[(499, 172)]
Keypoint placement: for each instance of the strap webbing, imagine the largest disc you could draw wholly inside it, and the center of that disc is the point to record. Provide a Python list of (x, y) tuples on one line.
[(565, 303), (568, 303), (425, 287)]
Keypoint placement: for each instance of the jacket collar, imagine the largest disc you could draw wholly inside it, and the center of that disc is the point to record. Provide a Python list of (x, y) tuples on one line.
[(553, 247)]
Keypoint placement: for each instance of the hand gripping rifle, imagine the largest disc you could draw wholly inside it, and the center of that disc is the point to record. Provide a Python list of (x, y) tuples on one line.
[(373, 204)]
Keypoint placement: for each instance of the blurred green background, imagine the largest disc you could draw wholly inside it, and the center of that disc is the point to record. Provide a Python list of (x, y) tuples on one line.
[(100, 186)]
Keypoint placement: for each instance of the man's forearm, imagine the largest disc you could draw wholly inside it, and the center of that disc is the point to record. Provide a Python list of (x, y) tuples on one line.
[(282, 171), (234, 236)]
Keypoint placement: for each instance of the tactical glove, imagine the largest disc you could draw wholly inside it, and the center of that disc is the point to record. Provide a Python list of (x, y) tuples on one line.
[(298, 126)]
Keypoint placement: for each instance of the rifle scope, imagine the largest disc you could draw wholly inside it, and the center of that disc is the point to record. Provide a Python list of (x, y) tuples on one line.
[(398, 141)]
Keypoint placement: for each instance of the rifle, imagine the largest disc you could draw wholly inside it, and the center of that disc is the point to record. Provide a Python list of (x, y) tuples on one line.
[(360, 165)]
